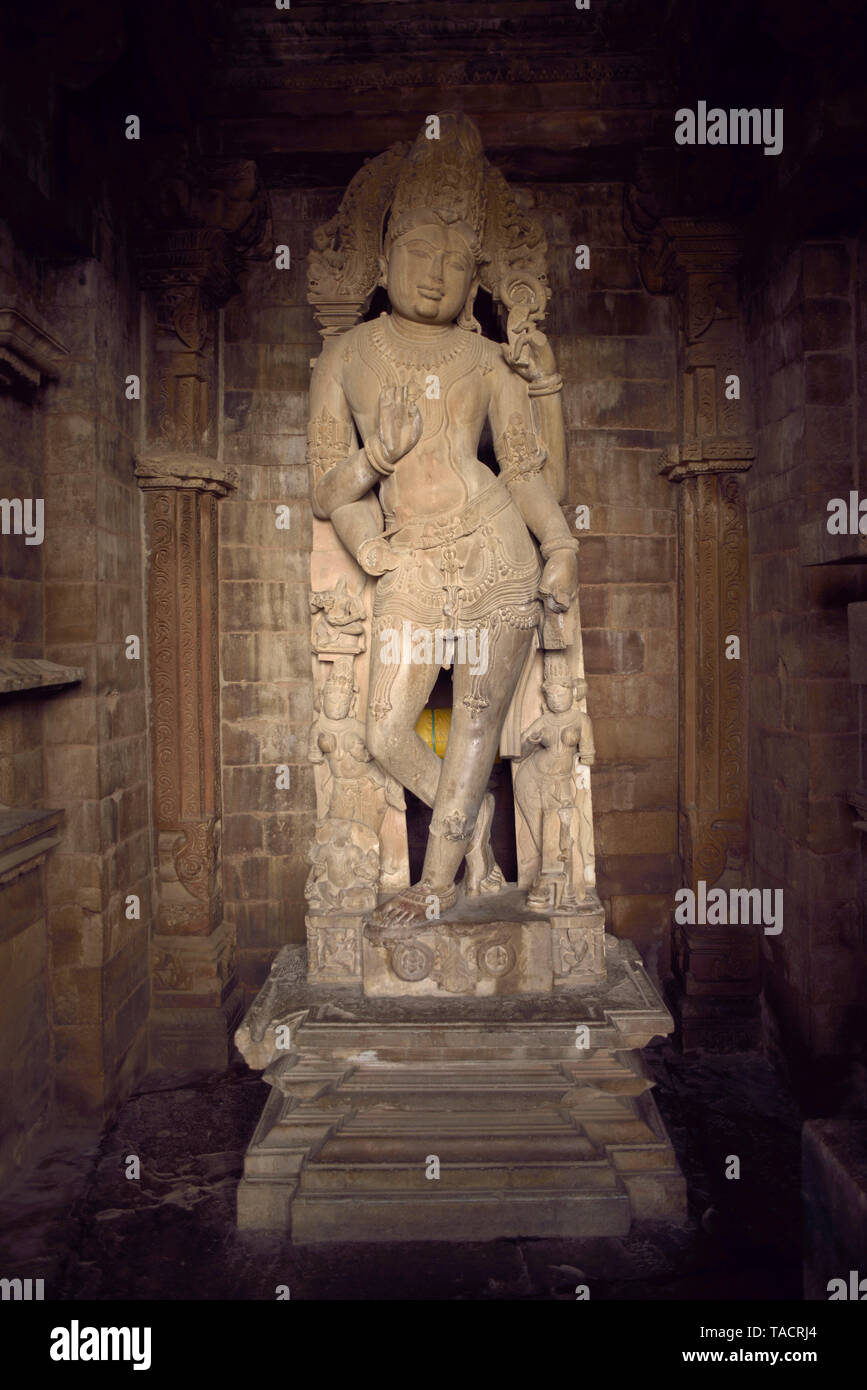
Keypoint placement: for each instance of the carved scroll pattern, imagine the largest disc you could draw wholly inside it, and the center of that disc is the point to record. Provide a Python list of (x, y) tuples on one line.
[(707, 641), (164, 657), (733, 721)]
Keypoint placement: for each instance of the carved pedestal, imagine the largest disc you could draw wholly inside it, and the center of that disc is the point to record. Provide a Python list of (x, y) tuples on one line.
[(485, 947), (536, 1108)]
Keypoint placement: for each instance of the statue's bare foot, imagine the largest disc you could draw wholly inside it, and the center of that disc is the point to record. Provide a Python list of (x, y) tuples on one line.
[(542, 897), (409, 907), (483, 874)]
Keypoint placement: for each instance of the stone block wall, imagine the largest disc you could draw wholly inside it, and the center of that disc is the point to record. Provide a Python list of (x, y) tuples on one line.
[(615, 345), (25, 1036), (81, 748), (96, 740), (270, 336), (616, 351), (804, 754)]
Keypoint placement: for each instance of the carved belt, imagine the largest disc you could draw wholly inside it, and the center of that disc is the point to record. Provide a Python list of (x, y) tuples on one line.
[(426, 535)]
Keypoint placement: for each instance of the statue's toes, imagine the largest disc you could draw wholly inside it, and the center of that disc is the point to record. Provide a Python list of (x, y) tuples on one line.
[(494, 881)]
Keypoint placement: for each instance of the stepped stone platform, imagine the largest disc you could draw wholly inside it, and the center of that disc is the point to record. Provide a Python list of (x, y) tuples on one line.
[(456, 1118)]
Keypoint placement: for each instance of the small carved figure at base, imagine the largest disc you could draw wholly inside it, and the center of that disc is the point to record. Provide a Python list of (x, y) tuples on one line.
[(552, 788), (345, 867)]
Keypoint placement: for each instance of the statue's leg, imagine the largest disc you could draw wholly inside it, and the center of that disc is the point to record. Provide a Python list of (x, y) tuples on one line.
[(398, 693), (473, 739), (483, 874)]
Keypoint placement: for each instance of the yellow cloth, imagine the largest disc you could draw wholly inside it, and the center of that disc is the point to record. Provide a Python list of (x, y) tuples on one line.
[(433, 726)]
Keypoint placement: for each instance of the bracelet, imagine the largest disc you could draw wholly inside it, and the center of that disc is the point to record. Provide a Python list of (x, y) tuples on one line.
[(565, 543), (546, 385), (375, 451), (368, 565)]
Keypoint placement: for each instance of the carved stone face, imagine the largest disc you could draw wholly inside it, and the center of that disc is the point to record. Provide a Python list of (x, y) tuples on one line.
[(430, 270), (558, 698), (336, 700)]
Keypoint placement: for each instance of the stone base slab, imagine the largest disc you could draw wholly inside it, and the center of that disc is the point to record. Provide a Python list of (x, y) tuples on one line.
[(454, 1119), (484, 946)]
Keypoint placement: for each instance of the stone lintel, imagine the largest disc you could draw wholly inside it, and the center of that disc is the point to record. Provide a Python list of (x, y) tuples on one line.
[(26, 673), (698, 456), (176, 469), (26, 836), (699, 247), (27, 352)]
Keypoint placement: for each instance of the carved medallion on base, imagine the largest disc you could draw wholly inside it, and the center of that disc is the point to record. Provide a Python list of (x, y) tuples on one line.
[(487, 946)]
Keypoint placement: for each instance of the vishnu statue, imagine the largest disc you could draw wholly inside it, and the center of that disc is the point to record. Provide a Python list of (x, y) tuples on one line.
[(397, 409)]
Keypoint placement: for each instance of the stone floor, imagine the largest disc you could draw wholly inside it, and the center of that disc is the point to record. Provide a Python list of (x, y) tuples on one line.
[(91, 1232)]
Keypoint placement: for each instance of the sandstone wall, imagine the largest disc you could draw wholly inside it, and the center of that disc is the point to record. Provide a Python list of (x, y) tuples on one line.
[(805, 335), (81, 987), (25, 1032)]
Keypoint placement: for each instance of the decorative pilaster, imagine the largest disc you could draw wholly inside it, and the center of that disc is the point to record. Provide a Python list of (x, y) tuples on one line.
[(189, 271), (718, 967)]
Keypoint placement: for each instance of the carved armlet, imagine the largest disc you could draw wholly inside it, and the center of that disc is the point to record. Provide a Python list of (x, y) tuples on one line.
[(329, 442), (519, 452)]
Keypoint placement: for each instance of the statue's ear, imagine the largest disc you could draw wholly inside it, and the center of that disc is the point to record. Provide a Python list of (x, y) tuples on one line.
[(383, 271)]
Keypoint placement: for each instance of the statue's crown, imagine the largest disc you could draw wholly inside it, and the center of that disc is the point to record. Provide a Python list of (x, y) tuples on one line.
[(556, 669), (341, 674), (443, 173)]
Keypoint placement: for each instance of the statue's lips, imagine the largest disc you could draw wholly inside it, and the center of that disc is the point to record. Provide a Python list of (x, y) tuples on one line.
[(429, 294)]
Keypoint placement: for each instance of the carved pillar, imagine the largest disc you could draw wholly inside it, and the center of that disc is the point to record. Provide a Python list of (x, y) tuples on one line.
[(717, 967), (189, 271)]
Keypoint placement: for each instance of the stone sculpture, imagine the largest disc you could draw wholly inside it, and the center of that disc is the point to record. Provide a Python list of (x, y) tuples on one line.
[(552, 791), (492, 1022), (397, 407), (346, 852)]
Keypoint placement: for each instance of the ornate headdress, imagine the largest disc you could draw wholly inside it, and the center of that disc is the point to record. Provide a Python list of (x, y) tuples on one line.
[(443, 174), (342, 674), (450, 178), (557, 670)]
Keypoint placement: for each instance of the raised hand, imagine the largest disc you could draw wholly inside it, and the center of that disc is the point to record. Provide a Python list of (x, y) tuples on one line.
[(528, 351), (400, 423)]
